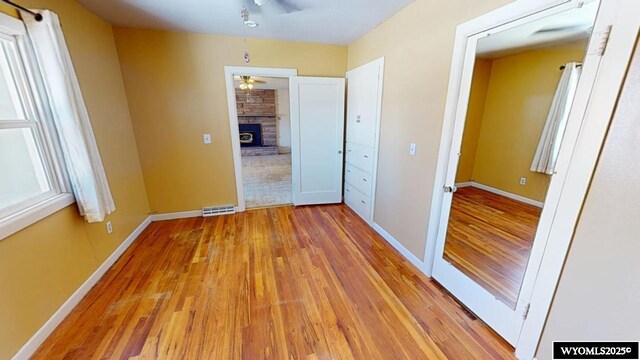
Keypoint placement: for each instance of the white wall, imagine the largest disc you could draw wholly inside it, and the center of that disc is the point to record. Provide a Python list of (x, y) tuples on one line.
[(597, 297), (284, 120)]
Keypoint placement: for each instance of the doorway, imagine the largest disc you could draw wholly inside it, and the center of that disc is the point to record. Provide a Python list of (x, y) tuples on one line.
[(316, 115), (264, 128), (260, 134)]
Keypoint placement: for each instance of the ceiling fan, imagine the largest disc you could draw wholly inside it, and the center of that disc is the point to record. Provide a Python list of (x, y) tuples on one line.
[(247, 82), (278, 6)]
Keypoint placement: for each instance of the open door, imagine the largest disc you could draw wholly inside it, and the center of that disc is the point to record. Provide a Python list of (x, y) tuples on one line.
[(317, 139), (497, 227)]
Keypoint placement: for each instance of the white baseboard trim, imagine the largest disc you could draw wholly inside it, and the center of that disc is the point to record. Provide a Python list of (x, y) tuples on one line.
[(176, 215), (464, 184), (501, 192), (401, 249), (43, 333)]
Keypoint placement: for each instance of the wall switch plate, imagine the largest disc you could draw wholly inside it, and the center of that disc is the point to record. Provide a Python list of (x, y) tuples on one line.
[(412, 149), (206, 138), (109, 227), (523, 181)]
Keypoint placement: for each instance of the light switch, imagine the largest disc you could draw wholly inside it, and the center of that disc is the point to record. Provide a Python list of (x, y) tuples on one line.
[(206, 138), (412, 149)]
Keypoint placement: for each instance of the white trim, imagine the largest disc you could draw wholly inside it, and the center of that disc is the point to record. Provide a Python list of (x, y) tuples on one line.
[(490, 189), (398, 246), (229, 72), (176, 215), (623, 14), (29, 216), (464, 184), (374, 172), (41, 335), (11, 25)]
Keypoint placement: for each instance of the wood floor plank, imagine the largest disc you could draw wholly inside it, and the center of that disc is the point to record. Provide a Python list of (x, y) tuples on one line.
[(311, 282), (489, 238)]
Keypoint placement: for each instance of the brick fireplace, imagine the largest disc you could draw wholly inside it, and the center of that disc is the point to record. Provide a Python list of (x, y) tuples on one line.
[(258, 107)]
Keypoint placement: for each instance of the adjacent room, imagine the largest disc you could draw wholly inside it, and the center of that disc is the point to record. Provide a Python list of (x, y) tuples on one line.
[(296, 179), (264, 129)]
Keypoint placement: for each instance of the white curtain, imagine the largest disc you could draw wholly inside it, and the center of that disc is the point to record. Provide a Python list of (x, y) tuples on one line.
[(548, 149), (70, 117)]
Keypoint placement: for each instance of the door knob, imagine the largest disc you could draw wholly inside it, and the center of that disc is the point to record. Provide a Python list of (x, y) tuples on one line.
[(450, 189)]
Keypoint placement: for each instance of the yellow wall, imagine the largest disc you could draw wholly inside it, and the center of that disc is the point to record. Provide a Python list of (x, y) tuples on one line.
[(473, 122), (42, 265), (176, 90), (417, 44), (519, 95)]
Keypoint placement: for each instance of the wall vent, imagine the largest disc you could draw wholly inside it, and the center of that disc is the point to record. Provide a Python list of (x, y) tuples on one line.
[(218, 210)]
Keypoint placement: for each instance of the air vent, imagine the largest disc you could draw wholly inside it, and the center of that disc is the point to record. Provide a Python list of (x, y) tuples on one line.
[(218, 210)]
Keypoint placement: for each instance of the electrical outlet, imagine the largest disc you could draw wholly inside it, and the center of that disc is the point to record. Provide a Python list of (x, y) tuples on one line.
[(206, 138), (109, 227), (523, 181)]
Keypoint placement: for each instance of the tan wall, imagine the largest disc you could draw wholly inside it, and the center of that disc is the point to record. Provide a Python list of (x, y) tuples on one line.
[(473, 122), (597, 296), (42, 265), (417, 44), (521, 88), (176, 90)]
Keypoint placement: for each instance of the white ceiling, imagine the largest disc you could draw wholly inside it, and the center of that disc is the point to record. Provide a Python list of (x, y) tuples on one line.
[(328, 21), (570, 25)]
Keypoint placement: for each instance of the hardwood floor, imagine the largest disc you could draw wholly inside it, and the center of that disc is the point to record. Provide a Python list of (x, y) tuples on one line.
[(489, 238), (280, 283)]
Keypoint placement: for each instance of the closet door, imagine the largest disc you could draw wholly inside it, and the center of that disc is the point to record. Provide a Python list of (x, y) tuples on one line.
[(364, 98), (362, 104)]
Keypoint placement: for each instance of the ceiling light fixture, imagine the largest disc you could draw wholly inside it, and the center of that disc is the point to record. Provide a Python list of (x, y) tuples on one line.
[(245, 20)]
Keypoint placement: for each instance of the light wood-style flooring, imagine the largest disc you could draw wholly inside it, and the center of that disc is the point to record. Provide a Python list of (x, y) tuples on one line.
[(310, 282), (489, 238)]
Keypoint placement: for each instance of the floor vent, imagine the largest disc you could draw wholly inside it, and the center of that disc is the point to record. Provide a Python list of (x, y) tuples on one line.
[(218, 210)]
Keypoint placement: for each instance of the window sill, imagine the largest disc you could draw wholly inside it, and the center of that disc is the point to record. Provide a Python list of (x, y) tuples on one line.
[(29, 216)]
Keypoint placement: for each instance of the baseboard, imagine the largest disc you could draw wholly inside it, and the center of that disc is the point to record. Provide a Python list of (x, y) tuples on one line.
[(398, 246), (501, 192), (176, 215), (41, 335), (464, 184)]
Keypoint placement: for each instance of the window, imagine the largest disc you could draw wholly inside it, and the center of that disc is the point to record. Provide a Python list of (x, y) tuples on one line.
[(32, 180)]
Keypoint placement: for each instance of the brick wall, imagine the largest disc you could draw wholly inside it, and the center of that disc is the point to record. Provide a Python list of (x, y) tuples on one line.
[(259, 107), (256, 102)]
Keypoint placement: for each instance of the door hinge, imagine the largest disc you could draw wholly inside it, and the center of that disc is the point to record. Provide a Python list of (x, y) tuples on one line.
[(525, 312), (601, 39)]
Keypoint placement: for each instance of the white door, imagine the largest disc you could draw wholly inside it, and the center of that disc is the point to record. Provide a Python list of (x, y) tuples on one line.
[(507, 320), (362, 98), (317, 139)]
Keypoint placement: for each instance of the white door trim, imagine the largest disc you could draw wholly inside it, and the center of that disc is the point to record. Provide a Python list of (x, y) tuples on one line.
[(229, 72), (582, 159)]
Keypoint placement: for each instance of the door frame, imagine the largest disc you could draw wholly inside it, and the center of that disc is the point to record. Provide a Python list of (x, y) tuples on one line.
[(234, 131), (582, 160)]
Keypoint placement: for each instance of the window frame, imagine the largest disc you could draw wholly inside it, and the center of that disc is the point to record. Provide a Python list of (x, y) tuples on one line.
[(37, 117)]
